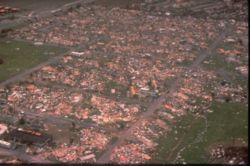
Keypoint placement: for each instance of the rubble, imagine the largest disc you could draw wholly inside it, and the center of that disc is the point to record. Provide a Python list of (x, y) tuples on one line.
[(6, 9), (68, 154), (218, 152), (162, 124), (40, 99), (100, 142), (148, 131), (83, 150), (229, 52), (173, 110), (229, 93), (121, 62), (130, 153), (166, 116), (112, 111), (229, 154), (242, 69)]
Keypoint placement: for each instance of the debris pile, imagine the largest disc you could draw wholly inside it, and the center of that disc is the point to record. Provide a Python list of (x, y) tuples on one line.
[(101, 27), (67, 153), (42, 99), (230, 154), (148, 132), (100, 141), (130, 153), (192, 96), (229, 93), (218, 152), (112, 111), (236, 155), (6, 10)]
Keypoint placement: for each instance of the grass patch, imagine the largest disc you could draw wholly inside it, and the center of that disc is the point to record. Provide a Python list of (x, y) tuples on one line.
[(182, 133), (18, 56), (218, 60), (6, 120), (227, 122)]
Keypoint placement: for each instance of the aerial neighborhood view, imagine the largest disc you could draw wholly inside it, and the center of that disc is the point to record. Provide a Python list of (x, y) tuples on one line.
[(124, 81)]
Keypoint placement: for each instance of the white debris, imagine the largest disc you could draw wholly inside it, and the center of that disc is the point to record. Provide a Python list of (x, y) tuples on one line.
[(5, 144), (90, 156), (77, 53), (3, 129), (38, 43)]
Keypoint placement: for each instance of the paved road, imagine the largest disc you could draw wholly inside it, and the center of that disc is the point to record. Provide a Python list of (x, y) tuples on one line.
[(22, 156), (35, 5), (32, 9)]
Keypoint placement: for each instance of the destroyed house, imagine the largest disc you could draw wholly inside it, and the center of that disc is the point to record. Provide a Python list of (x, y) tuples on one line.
[(29, 137)]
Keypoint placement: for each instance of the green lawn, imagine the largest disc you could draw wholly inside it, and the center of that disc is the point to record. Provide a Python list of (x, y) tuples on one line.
[(19, 56), (227, 122)]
